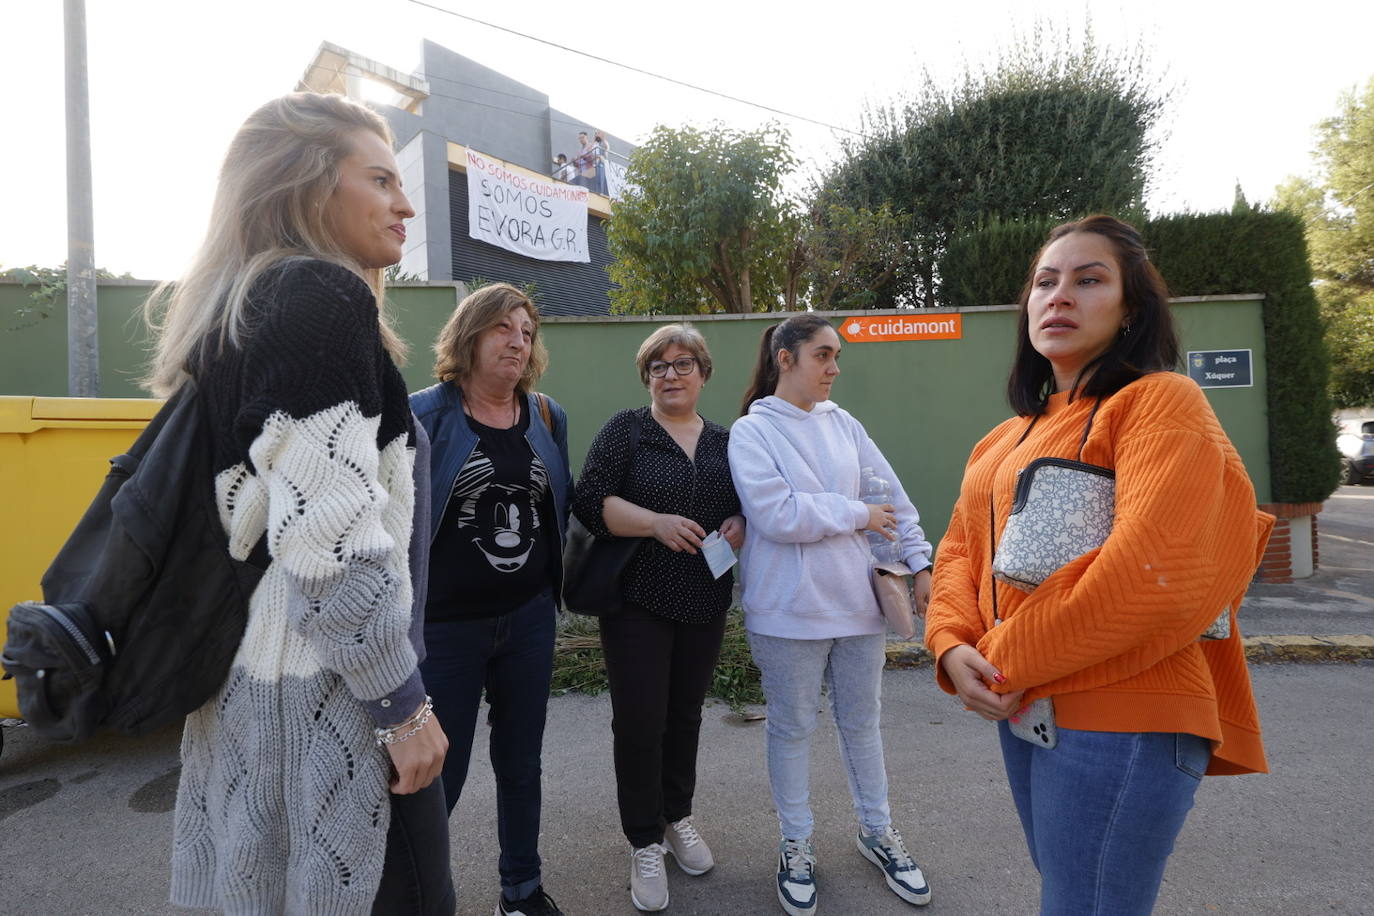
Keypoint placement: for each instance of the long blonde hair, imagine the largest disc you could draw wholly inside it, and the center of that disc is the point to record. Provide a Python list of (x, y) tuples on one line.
[(280, 169)]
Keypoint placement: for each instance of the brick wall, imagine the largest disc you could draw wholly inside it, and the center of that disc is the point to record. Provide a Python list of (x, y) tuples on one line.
[(1277, 565)]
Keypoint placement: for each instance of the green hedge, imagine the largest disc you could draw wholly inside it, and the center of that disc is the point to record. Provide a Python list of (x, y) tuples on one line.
[(1202, 254), (987, 266)]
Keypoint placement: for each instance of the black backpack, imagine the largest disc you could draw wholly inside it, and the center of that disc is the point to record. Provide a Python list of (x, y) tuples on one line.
[(143, 608)]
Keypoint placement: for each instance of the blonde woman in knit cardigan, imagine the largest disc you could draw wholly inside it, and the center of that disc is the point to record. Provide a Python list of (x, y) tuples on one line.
[(308, 783), (1143, 707)]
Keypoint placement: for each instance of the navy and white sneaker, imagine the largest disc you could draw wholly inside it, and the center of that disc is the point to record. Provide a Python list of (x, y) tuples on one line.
[(888, 852), (797, 877)]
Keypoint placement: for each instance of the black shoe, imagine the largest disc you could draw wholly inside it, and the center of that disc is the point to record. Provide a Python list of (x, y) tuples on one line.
[(536, 904)]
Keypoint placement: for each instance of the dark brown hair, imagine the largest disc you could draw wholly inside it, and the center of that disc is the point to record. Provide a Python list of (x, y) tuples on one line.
[(788, 335), (1151, 344)]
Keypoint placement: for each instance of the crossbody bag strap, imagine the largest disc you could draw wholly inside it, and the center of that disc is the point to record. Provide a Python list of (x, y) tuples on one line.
[(1087, 428), (636, 429), (992, 551), (1082, 440), (544, 410)]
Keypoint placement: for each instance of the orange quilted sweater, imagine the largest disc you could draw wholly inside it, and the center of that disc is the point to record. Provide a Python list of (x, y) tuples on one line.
[(1112, 636)]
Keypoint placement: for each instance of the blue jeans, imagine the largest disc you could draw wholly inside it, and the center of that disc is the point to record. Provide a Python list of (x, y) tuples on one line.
[(1101, 812), (511, 657), (793, 669)]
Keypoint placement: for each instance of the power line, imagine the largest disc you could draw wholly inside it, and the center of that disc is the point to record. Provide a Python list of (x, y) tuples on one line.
[(633, 69), (1327, 212)]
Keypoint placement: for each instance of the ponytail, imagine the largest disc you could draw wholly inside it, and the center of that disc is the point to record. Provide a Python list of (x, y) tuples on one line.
[(788, 335), (765, 380)]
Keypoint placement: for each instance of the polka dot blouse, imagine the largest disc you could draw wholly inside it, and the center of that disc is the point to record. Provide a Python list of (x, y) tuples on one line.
[(661, 478)]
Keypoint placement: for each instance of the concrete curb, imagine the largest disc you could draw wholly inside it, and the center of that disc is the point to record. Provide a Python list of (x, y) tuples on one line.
[(1309, 648), (1257, 649)]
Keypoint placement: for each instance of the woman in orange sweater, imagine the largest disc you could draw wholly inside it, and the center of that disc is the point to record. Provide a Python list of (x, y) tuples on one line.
[(1142, 706)]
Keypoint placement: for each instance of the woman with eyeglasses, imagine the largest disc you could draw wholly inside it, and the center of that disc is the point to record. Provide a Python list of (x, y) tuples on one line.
[(662, 473)]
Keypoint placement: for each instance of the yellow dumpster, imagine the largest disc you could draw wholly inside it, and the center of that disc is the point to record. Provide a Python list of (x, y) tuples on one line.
[(54, 453)]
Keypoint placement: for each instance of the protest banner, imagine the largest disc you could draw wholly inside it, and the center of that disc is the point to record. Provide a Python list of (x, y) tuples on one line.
[(616, 185), (524, 212)]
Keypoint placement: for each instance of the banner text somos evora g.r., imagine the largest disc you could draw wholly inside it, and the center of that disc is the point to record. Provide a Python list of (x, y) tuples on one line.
[(525, 213)]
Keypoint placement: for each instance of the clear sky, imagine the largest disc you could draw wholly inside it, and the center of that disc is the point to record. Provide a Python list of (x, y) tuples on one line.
[(170, 81)]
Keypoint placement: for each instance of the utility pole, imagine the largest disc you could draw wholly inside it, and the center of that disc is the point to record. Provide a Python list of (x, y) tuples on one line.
[(83, 355)]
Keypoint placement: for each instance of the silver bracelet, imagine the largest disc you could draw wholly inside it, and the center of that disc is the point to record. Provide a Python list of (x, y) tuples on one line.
[(395, 735)]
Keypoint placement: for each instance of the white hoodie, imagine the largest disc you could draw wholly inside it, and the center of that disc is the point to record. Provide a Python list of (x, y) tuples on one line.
[(805, 564)]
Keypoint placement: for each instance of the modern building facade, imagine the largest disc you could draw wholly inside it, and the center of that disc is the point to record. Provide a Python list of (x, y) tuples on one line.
[(452, 106)]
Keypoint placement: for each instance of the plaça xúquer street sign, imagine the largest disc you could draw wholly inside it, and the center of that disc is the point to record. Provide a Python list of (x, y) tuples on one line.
[(1220, 368)]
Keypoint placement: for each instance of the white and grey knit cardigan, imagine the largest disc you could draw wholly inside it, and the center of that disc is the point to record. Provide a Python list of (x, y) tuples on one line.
[(283, 805)]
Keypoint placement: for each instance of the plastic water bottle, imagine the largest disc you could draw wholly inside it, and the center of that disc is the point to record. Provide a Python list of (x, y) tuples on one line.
[(876, 491)]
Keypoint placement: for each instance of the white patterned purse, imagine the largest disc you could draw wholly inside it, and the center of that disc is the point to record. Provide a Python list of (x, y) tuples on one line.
[(1061, 509)]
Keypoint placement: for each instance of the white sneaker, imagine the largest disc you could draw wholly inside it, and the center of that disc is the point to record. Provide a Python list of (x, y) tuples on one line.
[(903, 875), (648, 881), (686, 845), (797, 877)]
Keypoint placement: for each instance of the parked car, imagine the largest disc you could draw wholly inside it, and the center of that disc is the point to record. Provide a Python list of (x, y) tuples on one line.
[(1355, 440)]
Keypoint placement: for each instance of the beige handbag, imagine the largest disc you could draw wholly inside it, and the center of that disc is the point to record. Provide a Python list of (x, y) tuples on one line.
[(892, 588)]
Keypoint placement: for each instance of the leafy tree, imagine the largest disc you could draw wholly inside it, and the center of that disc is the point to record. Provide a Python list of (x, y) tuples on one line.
[(1350, 341), (1056, 127), (394, 274), (846, 255), (703, 225), (1338, 212)]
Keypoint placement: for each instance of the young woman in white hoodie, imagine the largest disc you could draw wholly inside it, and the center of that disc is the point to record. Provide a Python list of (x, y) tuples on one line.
[(796, 459)]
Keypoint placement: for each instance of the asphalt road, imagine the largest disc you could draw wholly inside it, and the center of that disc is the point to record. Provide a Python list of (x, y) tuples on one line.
[(1345, 528), (86, 830)]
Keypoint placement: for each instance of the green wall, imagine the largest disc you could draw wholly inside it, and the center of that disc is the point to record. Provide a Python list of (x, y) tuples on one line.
[(925, 402), (33, 350)]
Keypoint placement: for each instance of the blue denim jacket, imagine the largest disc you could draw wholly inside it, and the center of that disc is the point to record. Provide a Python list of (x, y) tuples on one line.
[(439, 409)]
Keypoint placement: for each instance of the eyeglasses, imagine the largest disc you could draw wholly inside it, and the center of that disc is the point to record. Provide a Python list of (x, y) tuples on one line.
[(683, 365)]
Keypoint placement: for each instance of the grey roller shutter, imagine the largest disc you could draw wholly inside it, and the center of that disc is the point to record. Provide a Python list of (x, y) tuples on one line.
[(561, 287)]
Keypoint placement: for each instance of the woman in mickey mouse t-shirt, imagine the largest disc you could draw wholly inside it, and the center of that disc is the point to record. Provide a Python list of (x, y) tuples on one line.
[(500, 486)]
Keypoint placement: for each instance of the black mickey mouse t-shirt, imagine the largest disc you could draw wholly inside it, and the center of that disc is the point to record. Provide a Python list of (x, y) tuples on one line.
[(493, 549)]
